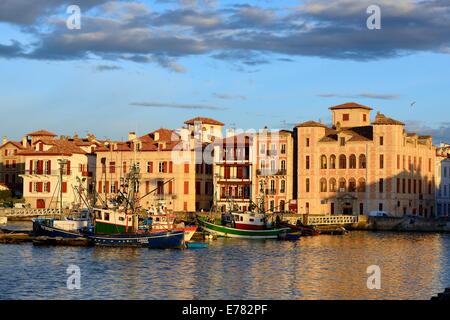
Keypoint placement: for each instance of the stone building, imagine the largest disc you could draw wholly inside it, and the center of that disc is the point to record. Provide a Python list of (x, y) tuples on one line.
[(443, 180), (42, 180), (12, 166), (274, 169), (357, 166), (171, 165)]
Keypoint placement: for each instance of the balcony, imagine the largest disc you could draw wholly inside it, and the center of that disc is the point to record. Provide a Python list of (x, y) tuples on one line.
[(270, 172)]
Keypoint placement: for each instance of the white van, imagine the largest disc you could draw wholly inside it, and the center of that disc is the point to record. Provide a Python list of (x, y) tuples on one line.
[(378, 214)]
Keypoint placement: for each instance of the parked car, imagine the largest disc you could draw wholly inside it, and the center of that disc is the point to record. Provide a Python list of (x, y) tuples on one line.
[(378, 214)]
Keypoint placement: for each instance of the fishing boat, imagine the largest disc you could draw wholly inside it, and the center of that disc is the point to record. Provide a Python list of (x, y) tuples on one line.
[(120, 227), (65, 228), (161, 220), (256, 228), (244, 225)]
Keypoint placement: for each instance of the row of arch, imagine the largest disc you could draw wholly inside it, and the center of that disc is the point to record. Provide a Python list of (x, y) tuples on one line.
[(341, 185), (331, 163)]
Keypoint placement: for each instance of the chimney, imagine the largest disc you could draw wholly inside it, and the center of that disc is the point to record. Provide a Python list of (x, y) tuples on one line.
[(4, 140), (131, 136), (156, 136), (25, 141)]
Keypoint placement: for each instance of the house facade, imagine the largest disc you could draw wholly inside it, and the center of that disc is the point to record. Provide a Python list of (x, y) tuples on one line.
[(58, 166), (357, 166), (443, 180)]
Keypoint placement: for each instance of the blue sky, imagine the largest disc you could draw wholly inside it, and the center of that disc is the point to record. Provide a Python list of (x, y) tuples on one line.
[(141, 65)]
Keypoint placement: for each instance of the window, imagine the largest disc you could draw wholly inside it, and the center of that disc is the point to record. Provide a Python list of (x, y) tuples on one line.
[(307, 185), (186, 187), (409, 185), (342, 185), (381, 141), (323, 185), (362, 161), (380, 207), (398, 185), (124, 167), (364, 117), (112, 167), (398, 162), (332, 185), (282, 186), (262, 148), (362, 185), (342, 162), (283, 165), (381, 185), (149, 167), (333, 162), (346, 117), (161, 167), (352, 185), (342, 140), (307, 142), (186, 168), (307, 163), (381, 161), (352, 163), (323, 162), (262, 164), (283, 149)]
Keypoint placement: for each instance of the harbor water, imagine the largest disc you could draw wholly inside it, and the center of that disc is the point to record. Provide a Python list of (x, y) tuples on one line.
[(412, 265)]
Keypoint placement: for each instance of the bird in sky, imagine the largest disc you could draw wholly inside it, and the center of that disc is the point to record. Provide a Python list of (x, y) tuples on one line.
[(413, 103)]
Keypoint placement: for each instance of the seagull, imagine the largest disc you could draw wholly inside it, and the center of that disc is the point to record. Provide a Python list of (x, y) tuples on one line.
[(412, 104)]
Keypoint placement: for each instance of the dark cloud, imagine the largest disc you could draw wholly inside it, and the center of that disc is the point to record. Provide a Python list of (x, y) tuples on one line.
[(244, 35), (380, 96), (176, 106), (440, 133)]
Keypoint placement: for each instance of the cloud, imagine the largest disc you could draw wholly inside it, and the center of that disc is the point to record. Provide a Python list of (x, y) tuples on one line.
[(225, 96), (440, 133), (176, 106), (243, 35), (107, 67), (379, 96)]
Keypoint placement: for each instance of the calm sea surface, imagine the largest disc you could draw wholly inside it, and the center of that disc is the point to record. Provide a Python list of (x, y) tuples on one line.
[(413, 266)]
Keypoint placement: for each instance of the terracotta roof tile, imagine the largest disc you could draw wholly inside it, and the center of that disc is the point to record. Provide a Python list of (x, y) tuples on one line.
[(381, 119), (311, 124), (350, 105), (41, 133), (203, 120)]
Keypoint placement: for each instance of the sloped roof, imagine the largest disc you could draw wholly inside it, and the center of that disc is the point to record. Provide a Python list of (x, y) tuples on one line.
[(41, 133), (203, 120), (311, 124), (14, 143), (381, 119), (350, 105)]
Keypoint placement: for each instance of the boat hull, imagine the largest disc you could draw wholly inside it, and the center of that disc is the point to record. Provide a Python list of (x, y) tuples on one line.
[(239, 233), (41, 229), (156, 240)]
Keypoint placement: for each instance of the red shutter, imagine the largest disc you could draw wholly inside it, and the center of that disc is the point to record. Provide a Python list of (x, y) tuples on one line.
[(99, 187), (64, 187), (170, 167), (116, 186), (165, 167), (49, 167), (31, 186), (107, 186), (186, 187), (48, 186), (170, 187), (31, 166), (151, 167), (147, 186), (186, 168), (68, 167), (39, 186)]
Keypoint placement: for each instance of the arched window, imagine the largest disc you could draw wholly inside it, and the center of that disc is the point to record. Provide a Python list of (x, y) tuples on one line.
[(323, 185), (342, 161), (323, 162), (282, 206), (352, 163), (362, 161), (361, 185), (283, 165), (342, 185), (333, 185), (352, 185), (282, 186), (333, 162)]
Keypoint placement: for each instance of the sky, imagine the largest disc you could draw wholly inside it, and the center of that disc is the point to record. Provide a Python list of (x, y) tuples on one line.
[(141, 65)]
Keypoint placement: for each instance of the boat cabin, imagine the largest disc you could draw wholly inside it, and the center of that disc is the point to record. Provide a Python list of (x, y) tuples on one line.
[(114, 221), (246, 220)]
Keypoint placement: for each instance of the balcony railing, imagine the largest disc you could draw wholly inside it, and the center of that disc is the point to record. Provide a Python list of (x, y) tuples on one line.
[(270, 172)]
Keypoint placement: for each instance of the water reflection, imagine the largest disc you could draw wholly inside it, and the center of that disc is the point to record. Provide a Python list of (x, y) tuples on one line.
[(414, 266)]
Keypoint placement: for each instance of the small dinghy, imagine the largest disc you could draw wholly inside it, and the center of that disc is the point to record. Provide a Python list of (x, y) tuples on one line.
[(196, 245)]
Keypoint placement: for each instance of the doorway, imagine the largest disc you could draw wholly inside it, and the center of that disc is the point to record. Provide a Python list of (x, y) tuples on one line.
[(40, 204)]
